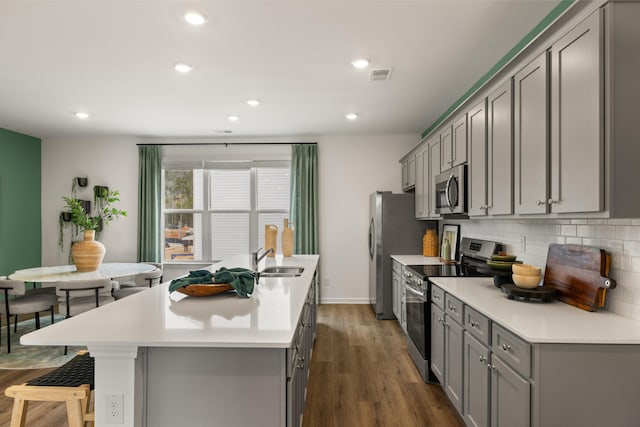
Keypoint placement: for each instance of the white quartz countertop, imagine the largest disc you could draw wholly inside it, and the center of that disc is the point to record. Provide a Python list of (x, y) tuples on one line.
[(154, 318), (416, 259), (539, 322)]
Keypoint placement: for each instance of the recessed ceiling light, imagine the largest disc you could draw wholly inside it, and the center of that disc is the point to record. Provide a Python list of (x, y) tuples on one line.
[(360, 63), (233, 118), (182, 67), (352, 116), (195, 18), (81, 115), (253, 102)]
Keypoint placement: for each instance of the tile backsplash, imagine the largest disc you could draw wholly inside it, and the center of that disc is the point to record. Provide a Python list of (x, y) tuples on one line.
[(530, 239)]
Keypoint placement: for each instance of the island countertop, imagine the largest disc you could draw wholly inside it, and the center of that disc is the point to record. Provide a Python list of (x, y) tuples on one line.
[(537, 322), (155, 318)]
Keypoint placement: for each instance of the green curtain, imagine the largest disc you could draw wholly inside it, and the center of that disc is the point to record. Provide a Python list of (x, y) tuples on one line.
[(304, 198), (149, 204)]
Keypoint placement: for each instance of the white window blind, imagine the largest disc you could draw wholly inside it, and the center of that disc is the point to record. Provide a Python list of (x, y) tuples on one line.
[(273, 188), (230, 189), (229, 234)]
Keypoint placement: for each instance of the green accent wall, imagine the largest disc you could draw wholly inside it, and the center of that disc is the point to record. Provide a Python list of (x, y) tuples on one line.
[(552, 16), (20, 195)]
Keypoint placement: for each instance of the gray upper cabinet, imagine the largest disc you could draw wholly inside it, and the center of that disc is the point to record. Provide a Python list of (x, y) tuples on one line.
[(446, 148), (477, 203), (577, 118), (422, 182), (500, 150), (459, 148), (408, 172), (530, 140), (434, 169), (453, 144)]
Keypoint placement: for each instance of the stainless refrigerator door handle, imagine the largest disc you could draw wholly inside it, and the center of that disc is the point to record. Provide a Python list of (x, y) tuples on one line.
[(371, 238)]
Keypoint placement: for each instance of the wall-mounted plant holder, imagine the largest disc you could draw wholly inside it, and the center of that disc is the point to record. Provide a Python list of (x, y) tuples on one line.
[(86, 205), (65, 216), (100, 225), (82, 181)]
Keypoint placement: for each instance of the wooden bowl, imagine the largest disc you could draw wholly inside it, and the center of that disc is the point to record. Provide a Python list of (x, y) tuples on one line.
[(205, 289), (525, 270), (526, 282)]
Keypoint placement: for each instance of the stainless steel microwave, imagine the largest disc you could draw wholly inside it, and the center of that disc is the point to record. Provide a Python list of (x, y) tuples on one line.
[(451, 191)]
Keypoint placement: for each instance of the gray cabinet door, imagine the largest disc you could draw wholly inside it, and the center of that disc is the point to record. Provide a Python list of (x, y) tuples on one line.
[(500, 149), (437, 342), (476, 382), (396, 295), (453, 366), (510, 396), (446, 148), (434, 169), (405, 176), (530, 140), (477, 145), (577, 156), (459, 148), (411, 172), (422, 181)]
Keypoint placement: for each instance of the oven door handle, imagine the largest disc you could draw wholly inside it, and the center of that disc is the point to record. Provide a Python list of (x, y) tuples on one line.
[(413, 291)]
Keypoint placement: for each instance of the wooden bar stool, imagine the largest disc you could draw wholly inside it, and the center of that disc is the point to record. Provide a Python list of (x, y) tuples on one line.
[(71, 383)]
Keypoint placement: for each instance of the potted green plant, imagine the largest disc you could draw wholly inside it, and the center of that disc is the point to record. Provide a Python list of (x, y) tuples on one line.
[(88, 254)]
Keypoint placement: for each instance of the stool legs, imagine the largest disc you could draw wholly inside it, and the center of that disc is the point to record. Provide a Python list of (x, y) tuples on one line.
[(19, 412)]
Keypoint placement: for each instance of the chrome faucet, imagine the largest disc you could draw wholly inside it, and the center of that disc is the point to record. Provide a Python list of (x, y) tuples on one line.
[(256, 257)]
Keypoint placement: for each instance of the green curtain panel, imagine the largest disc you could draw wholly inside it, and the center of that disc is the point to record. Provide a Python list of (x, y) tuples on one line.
[(304, 198), (149, 207)]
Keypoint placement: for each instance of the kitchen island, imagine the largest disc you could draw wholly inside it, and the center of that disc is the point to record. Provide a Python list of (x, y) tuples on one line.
[(219, 360)]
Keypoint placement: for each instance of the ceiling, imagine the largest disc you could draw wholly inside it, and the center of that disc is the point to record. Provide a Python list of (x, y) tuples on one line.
[(114, 60)]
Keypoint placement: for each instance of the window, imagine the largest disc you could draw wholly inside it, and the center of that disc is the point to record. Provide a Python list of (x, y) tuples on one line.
[(216, 210)]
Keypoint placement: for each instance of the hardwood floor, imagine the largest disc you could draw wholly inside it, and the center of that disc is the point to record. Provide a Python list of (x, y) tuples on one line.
[(361, 375)]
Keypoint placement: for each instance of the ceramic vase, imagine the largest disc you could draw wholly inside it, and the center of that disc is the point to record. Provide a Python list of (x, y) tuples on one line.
[(287, 238), (88, 254), (270, 238)]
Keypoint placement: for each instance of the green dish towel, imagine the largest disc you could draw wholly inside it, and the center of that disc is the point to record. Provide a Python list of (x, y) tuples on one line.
[(241, 279)]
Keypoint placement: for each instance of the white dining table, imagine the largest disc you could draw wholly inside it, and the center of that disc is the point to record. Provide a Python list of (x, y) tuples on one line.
[(107, 270)]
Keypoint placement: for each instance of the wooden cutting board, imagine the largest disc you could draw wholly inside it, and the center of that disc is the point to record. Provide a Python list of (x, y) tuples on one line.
[(578, 274)]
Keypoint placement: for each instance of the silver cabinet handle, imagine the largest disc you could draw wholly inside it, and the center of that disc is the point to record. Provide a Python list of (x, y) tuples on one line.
[(540, 202), (453, 308), (474, 324), (506, 347), (553, 201), (483, 359), (490, 366), (436, 296)]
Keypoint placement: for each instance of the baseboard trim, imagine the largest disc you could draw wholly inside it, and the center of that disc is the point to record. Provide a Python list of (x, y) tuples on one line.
[(344, 300)]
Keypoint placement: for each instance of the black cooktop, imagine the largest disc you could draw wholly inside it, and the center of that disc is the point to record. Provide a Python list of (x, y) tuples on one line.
[(448, 270)]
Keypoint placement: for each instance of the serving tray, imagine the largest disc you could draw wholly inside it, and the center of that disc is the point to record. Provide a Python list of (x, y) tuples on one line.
[(205, 289)]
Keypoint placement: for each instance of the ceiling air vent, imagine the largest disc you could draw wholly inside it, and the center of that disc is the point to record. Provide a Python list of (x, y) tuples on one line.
[(380, 74)]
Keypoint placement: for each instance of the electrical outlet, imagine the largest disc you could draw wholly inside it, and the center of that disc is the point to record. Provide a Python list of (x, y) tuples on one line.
[(115, 407)]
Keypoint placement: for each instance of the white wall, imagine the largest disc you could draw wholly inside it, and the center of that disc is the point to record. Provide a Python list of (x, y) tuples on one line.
[(112, 162), (351, 168)]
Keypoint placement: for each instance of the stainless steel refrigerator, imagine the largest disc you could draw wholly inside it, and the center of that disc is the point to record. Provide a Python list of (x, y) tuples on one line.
[(393, 230)]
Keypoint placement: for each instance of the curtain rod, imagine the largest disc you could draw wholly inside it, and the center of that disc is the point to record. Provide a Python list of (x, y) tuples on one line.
[(226, 144)]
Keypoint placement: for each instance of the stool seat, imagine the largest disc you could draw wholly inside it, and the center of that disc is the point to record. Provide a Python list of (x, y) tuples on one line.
[(71, 383)]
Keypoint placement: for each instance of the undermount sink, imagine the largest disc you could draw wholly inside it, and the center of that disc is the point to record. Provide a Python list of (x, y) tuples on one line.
[(281, 271)]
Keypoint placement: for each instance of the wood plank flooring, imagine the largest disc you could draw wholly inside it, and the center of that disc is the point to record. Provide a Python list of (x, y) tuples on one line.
[(361, 375)]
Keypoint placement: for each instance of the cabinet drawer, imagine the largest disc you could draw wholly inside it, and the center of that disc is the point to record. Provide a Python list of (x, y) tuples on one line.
[(512, 349), (437, 296), (477, 325), (453, 308), (396, 267)]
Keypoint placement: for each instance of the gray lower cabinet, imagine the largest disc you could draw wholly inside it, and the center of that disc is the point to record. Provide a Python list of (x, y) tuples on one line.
[(510, 396), (396, 295), (437, 342), (477, 381), (453, 364)]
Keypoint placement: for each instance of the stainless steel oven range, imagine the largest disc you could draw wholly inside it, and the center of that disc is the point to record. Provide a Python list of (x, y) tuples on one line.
[(475, 253)]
